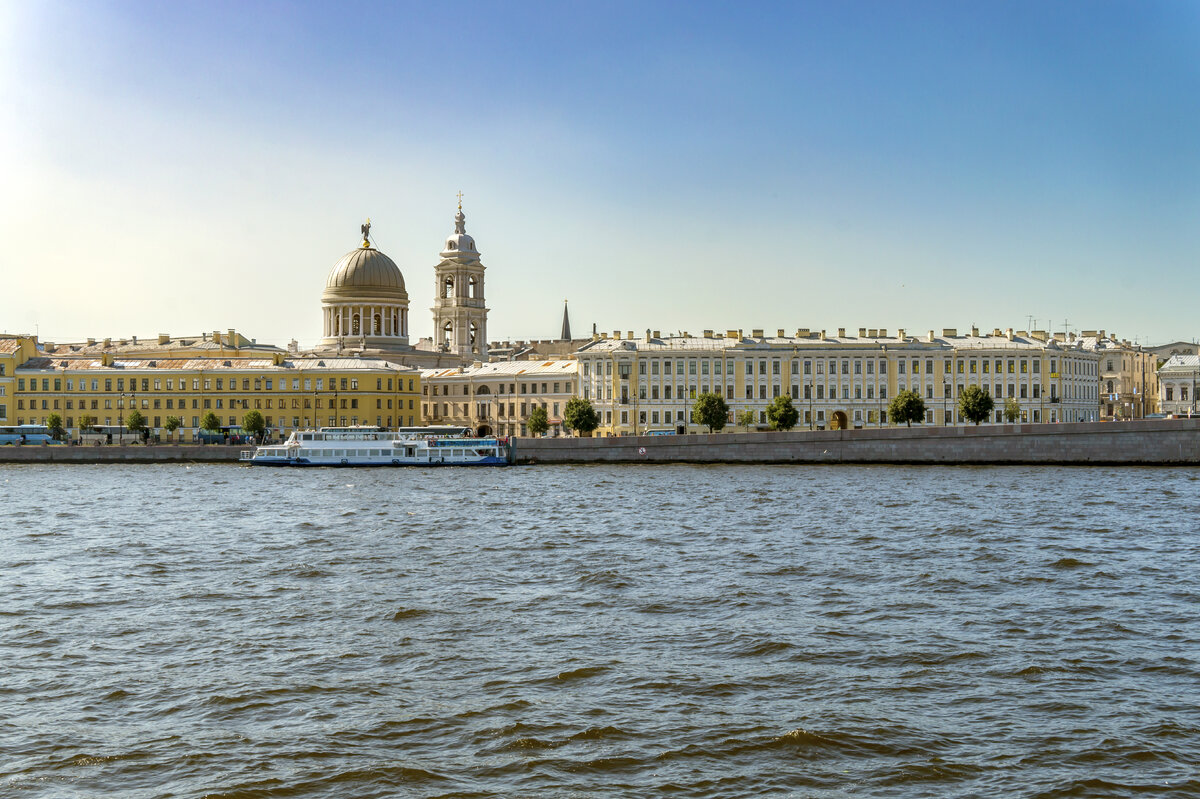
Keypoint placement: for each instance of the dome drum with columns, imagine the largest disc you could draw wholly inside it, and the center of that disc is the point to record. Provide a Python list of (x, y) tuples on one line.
[(365, 300)]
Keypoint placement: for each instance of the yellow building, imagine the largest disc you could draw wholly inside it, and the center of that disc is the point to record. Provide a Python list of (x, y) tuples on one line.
[(189, 377), (648, 384)]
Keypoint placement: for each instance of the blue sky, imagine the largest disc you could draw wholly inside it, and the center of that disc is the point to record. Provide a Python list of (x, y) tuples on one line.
[(176, 167)]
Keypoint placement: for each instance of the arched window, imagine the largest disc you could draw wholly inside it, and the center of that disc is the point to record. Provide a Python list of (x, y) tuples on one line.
[(448, 287), (1110, 387), (355, 325), (450, 244), (483, 390), (447, 334), (337, 324), (395, 325), (472, 334), (378, 324), (472, 288)]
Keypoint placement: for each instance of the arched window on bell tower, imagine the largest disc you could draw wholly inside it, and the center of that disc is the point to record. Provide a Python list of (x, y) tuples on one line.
[(473, 288), (448, 334), (448, 287)]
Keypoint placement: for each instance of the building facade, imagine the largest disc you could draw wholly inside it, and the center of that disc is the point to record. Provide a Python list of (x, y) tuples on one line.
[(1177, 378), (1127, 374), (290, 392), (496, 398), (648, 384)]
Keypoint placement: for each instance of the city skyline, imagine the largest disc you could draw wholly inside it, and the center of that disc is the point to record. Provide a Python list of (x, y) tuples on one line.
[(181, 169)]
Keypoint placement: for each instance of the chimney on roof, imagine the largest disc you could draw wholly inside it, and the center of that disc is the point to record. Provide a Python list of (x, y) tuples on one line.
[(822, 336), (930, 338), (974, 331), (900, 334), (629, 335), (862, 332), (163, 338), (647, 339), (841, 332), (91, 342), (1008, 332), (108, 342), (216, 337)]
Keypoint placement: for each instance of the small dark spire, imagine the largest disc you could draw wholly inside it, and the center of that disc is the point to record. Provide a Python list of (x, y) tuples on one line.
[(566, 328)]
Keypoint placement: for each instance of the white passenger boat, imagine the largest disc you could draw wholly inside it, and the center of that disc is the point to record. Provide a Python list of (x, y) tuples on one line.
[(371, 446)]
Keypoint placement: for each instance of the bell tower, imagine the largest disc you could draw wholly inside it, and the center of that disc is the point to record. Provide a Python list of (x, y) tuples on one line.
[(459, 311)]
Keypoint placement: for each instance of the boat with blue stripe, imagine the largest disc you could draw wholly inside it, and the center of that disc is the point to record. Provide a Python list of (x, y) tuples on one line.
[(373, 446)]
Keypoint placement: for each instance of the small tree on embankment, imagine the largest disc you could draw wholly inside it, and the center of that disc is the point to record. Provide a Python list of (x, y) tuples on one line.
[(711, 411), (781, 414), (907, 407), (538, 422), (254, 424), (580, 416), (975, 404)]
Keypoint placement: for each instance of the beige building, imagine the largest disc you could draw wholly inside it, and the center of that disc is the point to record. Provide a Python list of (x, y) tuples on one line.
[(648, 383), (497, 398), (1128, 376)]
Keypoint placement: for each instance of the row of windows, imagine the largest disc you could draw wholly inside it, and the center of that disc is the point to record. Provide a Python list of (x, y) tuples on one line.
[(447, 409), (346, 384), (847, 365), (196, 403), (449, 390), (233, 420)]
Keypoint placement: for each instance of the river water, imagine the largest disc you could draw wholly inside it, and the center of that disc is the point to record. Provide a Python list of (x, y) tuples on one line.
[(682, 631)]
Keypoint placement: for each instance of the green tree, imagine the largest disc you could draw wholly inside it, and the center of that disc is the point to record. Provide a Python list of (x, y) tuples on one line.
[(781, 414), (171, 424), (135, 421), (210, 422), (1012, 410), (907, 407), (711, 411), (580, 416), (538, 422), (86, 423), (975, 404), (254, 424), (747, 418), (55, 425)]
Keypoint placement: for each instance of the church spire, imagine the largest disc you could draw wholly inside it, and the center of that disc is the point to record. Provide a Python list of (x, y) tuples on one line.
[(566, 327)]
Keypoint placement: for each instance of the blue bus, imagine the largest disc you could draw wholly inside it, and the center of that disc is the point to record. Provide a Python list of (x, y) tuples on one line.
[(25, 434)]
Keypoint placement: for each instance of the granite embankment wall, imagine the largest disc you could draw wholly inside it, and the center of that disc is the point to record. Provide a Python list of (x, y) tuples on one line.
[(164, 453), (1166, 441)]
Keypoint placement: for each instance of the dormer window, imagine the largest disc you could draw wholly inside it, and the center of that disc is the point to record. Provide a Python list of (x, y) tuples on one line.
[(450, 245)]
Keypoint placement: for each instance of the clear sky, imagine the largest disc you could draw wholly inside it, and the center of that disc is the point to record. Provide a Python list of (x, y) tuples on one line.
[(181, 167)]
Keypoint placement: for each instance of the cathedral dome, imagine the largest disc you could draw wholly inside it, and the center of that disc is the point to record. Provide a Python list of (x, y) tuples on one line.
[(365, 267), (365, 272)]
